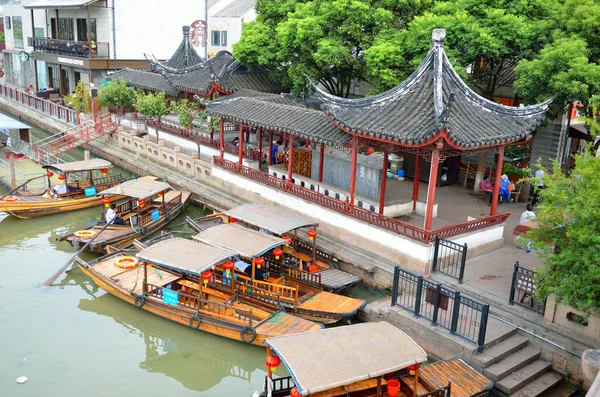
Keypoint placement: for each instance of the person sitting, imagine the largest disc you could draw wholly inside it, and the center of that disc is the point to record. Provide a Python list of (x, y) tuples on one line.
[(31, 90), (245, 267), (60, 189), (112, 216), (236, 141), (504, 189), (486, 187), (528, 215)]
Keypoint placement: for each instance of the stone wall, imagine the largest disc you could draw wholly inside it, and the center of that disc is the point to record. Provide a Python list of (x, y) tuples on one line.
[(558, 314)]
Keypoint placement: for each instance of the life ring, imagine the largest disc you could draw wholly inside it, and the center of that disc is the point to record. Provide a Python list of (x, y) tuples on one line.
[(11, 198), (140, 301), (243, 334), (196, 318), (127, 262), (85, 234), (144, 230)]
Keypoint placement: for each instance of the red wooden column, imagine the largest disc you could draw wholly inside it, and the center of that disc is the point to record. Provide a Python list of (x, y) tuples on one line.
[(259, 137), (321, 159), (417, 180), (499, 162), (221, 138), (290, 156), (247, 134), (435, 159), (383, 180), (353, 168), (241, 144), (270, 148)]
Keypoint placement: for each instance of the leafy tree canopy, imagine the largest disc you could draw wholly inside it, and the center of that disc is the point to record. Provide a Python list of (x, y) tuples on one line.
[(116, 93), (151, 105), (569, 219), (186, 111)]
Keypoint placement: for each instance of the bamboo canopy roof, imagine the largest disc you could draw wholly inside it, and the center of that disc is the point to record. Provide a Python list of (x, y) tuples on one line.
[(434, 102), (274, 219), (138, 188), (77, 166), (246, 242), (185, 255), (340, 356)]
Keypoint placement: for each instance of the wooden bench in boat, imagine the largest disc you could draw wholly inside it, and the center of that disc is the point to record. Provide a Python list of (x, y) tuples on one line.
[(466, 382), (355, 387), (408, 383)]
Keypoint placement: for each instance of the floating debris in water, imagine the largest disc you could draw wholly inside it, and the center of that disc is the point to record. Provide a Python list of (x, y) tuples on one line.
[(21, 379)]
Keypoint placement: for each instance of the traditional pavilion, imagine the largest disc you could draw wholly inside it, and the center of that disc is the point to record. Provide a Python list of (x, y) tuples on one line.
[(432, 115)]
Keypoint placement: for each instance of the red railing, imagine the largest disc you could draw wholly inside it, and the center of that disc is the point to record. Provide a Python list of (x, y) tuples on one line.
[(251, 154), (373, 218), (41, 105)]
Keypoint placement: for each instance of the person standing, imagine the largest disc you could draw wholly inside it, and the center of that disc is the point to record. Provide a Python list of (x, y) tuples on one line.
[(528, 215), (539, 185)]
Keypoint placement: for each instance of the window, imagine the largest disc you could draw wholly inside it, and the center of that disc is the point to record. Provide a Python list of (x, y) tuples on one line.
[(18, 31), (219, 38), (82, 29), (65, 29), (7, 23), (39, 32)]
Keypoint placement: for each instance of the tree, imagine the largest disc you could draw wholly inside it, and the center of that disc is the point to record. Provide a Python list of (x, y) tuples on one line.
[(2, 37), (186, 112), (323, 39), (116, 93), (151, 105), (568, 236), (76, 101)]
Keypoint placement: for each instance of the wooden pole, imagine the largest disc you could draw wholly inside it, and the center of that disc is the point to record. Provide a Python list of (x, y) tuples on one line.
[(417, 179), (314, 253), (497, 181), (321, 159), (253, 269), (353, 168), (416, 380), (222, 138), (144, 286), (296, 239), (269, 354), (290, 157), (435, 156), (383, 180), (379, 386), (241, 145), (260, 153), (270, 148)]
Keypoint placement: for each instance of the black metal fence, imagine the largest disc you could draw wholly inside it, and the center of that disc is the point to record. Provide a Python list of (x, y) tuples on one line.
[(522, 290), (449, 258), (460, 314)]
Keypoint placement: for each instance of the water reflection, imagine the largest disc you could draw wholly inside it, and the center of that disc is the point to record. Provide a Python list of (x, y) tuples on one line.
[(199, 361)]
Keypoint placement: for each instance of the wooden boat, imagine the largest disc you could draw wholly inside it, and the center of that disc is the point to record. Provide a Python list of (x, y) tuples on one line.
[(303, 255), (166, 280), (150, 206), (299, 290), (76, 192), (370, 359)]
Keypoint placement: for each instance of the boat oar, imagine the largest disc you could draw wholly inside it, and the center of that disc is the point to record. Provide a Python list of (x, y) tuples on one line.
[(62, 269), (20, 186)]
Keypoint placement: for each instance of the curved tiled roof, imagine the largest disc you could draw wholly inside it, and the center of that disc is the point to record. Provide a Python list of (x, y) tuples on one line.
[(432, 99), (145, 80), (184, 57)]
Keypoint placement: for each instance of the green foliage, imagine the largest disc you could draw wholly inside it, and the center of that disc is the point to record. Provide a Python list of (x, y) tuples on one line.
[(213, 124), (186, 111), (569, 219), (116, 93), (151, 105), (77, 101), (2, 37), (510, 169)]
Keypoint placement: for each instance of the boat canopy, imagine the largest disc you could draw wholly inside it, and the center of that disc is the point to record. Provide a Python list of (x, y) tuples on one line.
[(274, 219), (185, 255), (77, 166), (340, 356), (246, 242), (8, 123), (138, 188)]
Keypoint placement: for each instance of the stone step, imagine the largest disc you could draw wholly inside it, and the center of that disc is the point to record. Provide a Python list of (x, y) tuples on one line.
[(523, 377), (497, 352), (497, 331), (542, 386), (509, 364), (563, 390)]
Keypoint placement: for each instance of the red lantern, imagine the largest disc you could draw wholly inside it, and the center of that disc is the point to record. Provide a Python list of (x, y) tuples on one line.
[(228, 266), (104, 171), (141, 203), (106, 201), (61, 177), (295, 393), (312, 234), (206, 277), (160, 194), (232, 219), (49, 174), (412, 369), (259, 262), (277, 252), (272, 362), (288, 241)]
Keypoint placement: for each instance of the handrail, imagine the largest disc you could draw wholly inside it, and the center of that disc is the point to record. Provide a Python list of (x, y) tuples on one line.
[(41, 105)]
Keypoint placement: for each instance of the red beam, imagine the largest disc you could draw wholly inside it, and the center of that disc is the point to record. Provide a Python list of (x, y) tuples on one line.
[(241, 144), (435, 155), (260, 154), (290, 156), (497, 181), (321, 159), (383, 180), (270, 148), (417, 180), (222, 137), (353, 169)]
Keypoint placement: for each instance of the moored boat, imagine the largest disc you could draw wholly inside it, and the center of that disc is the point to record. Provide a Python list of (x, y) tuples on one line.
[(150, 206), (369, 359), (300, 290), (79, 188), (166, 279)]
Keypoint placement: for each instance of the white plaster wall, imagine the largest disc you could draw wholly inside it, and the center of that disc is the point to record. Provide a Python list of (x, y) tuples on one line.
[(101, 14), (17, 10), (233, 26)]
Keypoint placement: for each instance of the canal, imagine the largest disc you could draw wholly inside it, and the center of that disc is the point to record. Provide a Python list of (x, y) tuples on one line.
[(73, 339)]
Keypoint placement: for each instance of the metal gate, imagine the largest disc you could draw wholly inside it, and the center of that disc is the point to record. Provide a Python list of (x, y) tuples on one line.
[(449, 258)]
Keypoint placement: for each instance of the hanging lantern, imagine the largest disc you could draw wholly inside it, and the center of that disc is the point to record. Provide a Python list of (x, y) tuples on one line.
[(277, 252), (106, 201), (206, 277), (150, 266), (412, 369), (272, 362), (232, 219), (160, 194), (288, 241), (294, 392), (61, 177), (49, 174), (141, 203), (312, 234), (259, 262), (104, 171), (228, 266)]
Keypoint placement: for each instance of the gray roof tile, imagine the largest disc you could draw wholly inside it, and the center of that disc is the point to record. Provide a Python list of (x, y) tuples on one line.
[(184, 57)]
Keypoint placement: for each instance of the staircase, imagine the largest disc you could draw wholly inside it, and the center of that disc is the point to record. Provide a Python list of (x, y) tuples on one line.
[(50, 148), (548, 142)]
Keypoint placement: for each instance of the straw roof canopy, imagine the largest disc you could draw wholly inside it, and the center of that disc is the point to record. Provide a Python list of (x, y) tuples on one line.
[(138, 188), (185, 255), (246, 242), (76, 166), (274, 219), (334, 357)]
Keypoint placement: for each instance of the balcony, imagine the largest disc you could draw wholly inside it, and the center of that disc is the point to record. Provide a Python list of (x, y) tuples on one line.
[(78, 49)]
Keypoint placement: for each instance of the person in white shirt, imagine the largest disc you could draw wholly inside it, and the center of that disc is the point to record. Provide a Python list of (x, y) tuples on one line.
[(528, 215), (112, 216), (539, 176), (60, 189), (245, 267)]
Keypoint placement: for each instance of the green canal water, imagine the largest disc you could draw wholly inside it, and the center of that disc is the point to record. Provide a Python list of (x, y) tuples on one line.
[(74, 339)]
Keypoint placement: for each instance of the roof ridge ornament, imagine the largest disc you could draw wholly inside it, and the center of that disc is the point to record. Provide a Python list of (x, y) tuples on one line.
[(438, 36)]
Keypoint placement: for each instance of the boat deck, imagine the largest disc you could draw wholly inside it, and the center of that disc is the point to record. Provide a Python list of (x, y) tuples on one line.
[(132, 279), (338, 280), (282, 324), (332, 303), (466, 382)]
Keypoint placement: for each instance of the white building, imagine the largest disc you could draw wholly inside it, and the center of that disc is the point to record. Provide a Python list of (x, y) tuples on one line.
[(225, 23)]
